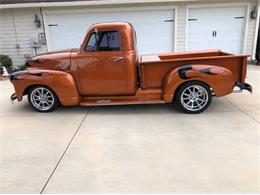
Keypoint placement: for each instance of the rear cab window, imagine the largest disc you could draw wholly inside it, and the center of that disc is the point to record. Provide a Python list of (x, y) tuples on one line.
[(103, 41)]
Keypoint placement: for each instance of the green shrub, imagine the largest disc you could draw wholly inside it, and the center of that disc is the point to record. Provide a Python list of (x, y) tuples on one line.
[(18, 68), (21, 67), (6, 61)]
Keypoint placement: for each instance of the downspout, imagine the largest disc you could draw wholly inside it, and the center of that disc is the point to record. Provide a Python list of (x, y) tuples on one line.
[(256, 31), (44, 28)]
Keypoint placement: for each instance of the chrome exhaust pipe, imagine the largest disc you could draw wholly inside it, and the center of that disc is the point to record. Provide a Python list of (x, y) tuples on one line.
[(239, 87)]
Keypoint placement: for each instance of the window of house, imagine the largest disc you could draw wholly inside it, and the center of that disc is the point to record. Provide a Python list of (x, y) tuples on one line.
[(104, 41)]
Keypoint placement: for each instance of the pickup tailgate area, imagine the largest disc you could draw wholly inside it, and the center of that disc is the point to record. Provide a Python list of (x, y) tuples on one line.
[(155, 67)]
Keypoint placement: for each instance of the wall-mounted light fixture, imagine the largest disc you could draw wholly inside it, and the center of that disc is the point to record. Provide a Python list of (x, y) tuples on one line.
[(37, 21), (253, 13)]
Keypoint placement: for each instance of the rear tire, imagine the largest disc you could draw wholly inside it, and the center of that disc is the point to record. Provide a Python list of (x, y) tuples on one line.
[(43, 99), (193, 97)]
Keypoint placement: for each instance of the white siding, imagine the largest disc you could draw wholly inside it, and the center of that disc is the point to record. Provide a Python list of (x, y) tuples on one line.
[(181, 27), (17, 27), (250, 32)]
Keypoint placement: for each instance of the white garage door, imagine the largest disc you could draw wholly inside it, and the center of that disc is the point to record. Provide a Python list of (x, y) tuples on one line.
[(221, 28), (155, 29)]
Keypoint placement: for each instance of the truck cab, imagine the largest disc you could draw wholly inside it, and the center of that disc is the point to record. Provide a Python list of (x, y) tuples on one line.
[(106, 63)]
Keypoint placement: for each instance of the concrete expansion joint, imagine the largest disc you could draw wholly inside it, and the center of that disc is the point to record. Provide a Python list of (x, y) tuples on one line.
[(243, 111), (66, 149)]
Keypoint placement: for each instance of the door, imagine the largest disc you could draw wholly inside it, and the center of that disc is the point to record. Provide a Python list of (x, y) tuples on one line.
[(102, 66), (217, 28), (154, 28)]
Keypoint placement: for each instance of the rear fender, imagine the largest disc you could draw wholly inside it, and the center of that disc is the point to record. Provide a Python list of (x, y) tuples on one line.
[(62, 83), (220, 79)]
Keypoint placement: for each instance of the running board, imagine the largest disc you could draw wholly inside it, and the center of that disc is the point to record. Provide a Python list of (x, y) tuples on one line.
[(105, 102)]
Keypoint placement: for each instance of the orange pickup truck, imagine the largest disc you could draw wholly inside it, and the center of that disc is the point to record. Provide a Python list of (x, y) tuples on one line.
[(106, 70)]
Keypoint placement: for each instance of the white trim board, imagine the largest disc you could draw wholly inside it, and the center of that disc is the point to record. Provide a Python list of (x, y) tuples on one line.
[(256, 31)]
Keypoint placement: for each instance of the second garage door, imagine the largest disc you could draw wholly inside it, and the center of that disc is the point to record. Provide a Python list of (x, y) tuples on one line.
[(222, 28), (155, 29)]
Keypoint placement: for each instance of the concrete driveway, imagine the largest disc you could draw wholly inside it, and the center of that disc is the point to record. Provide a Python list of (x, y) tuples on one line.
[(131, 149)]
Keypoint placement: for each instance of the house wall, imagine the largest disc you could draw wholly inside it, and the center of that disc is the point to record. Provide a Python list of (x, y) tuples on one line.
[(17, 27), (249, 47)]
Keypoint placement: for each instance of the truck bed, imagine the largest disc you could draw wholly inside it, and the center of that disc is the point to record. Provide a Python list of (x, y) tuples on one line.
[(155, 67)]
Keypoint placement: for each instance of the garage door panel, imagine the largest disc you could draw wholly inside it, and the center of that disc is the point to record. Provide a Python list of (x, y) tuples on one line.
[(228, 23), (154, 31)]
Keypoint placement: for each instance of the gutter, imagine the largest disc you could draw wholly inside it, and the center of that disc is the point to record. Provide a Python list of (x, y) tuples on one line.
[(85, 3)]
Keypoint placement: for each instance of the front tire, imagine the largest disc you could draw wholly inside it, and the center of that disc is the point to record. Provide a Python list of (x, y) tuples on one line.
[(193, 97), (42, 99)]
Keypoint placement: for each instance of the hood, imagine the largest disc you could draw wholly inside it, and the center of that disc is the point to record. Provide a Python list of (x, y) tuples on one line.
[(51, 60)]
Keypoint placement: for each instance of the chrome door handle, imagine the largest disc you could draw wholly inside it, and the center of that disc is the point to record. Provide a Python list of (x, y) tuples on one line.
[(118, 59), (62, 66), (214, 33)]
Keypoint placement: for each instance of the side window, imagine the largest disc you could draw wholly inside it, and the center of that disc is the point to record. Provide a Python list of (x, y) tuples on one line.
[(91, 46), (104, 41)]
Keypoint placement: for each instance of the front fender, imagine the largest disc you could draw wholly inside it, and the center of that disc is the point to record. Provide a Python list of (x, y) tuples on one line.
[(220, 79), (62, 83)]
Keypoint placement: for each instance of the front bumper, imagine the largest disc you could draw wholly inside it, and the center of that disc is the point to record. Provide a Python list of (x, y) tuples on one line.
[(239, 87)]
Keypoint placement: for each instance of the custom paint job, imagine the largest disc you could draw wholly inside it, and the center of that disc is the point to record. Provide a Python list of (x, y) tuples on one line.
[(80, 77), (61, 83), (214, 76)]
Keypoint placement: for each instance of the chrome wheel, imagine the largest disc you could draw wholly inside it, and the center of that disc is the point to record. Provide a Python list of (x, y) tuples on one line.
[(194, 98), (42, 98)]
